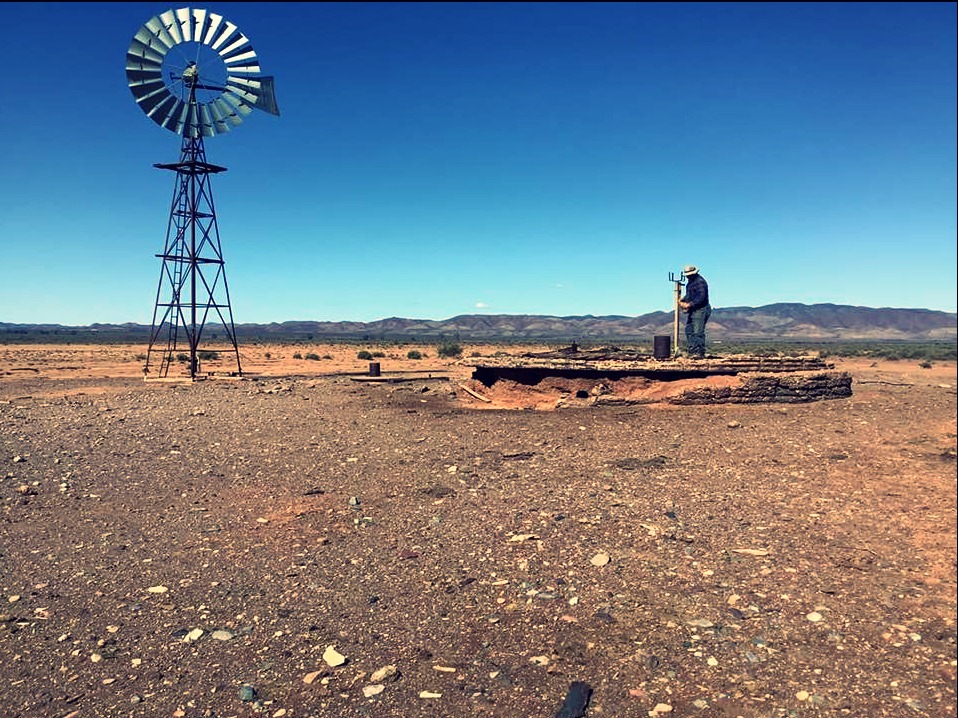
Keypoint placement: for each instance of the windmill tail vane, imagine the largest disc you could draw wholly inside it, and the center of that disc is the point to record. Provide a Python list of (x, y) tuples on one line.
[(267, 96)]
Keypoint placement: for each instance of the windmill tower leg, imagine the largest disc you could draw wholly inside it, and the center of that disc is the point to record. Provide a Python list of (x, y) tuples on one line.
[(192, 286)]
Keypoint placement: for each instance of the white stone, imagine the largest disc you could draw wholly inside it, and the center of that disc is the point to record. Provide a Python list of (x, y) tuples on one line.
[(333, 657)]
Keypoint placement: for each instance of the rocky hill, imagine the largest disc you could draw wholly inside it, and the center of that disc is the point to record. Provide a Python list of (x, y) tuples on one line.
[(790, 322)]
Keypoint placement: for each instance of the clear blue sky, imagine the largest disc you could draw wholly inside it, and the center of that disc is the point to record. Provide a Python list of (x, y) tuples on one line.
[(439, 159)]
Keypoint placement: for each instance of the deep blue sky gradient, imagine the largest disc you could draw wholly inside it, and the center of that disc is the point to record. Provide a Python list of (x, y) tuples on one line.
[(438, 159)]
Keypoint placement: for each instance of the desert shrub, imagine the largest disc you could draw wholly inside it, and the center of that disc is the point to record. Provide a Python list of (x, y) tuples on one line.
[(449, 350), (379, 354), (363, 354), (182, 357), (888, 350), (208, 355), (925, 365), (140, 357), (312, 357), (267, 355), (327, 356), (414, 354), (297, 355)]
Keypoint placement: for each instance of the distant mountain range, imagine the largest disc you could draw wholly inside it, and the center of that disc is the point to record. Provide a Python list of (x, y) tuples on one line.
[(773, 322)]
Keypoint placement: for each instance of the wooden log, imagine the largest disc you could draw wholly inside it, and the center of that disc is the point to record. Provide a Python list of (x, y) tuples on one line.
[(479, 396)]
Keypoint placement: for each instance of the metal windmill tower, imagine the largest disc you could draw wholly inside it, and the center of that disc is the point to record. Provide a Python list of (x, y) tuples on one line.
[(194, 73)]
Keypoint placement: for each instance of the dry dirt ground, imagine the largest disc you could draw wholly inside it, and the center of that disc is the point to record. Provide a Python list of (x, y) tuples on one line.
[(302, 542)]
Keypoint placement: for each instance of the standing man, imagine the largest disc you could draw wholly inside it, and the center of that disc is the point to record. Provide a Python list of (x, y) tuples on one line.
[(696, 303)]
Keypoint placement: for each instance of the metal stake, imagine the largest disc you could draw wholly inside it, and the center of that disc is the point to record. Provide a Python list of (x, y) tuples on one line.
[(679, 283)]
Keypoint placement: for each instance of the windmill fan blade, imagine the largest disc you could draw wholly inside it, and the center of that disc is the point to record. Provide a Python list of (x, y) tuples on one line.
[(246, 69), (240, 108), (240, 98), (225, 33), (234, 46), (216, 114), (250, 84), (146, 93), (136, 70), (176, 120), (184, 18), (159, 31), (148, 96), (145, 53), (214, 24), (194, 123), (153, 102), (228, 113), (163, 110), (242, 58), (150, 58), (206, 118), (199, 24), (147, 39), (244, 87), (169, 22)]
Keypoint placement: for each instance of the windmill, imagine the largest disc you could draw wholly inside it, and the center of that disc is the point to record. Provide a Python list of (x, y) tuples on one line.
[(195, 74)]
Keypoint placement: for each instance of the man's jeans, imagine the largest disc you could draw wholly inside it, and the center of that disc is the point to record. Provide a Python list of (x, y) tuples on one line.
[(695, 331)]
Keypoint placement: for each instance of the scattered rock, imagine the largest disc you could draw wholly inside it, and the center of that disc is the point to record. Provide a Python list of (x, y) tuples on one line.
[(385, 674), (311, 677), (333, 657), (576, 700)]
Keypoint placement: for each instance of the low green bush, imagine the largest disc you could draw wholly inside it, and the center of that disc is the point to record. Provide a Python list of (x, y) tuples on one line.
[(448, 350)]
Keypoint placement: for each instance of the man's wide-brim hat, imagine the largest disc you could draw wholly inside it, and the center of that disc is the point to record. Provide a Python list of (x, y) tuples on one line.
[(690, 270)]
